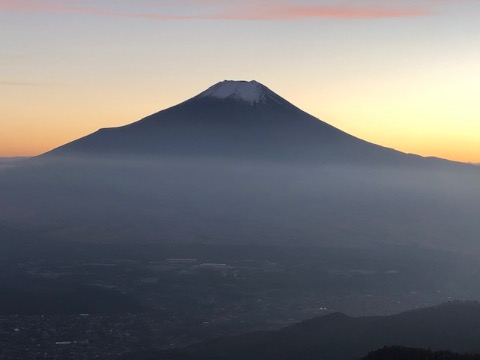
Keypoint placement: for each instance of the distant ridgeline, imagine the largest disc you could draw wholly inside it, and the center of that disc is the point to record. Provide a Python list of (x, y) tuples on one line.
[(404, 353), (452, 326)]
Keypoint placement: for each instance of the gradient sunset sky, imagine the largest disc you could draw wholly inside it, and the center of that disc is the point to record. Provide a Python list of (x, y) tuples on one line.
[(400, 73)]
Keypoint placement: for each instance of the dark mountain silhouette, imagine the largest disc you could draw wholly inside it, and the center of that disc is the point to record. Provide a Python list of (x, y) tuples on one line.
[(236, 119), (239, 164), (453, 326), (404, 353)]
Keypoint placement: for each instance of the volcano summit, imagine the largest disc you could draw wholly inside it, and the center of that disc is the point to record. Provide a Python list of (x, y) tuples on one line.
[(248, 91)]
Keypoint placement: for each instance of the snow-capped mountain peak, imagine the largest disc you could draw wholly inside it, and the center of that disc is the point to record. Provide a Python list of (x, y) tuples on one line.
[(249, 91)]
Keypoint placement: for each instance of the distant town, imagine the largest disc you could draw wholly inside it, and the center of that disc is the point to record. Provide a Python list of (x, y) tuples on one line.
[(108, 308)]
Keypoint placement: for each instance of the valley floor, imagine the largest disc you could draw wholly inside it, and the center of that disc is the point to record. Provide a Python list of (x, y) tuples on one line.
[(111, 302)]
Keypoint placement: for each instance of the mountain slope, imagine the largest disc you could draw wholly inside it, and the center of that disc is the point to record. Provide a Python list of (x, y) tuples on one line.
[(404, 353), (453, 326), (234, 119)]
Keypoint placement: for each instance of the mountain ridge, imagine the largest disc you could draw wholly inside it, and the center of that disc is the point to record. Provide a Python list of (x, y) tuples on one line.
[(237, 119), (453, 326)]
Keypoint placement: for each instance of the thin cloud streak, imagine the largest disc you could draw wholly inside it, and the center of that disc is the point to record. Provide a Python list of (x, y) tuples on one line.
[(332, 12), (267, 11), (20, 83)]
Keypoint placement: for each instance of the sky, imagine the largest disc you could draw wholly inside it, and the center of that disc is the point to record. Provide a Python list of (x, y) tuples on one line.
[(400, 73)]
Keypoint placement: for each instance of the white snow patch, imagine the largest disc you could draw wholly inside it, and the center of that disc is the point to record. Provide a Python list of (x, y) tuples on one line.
[(249, 91)]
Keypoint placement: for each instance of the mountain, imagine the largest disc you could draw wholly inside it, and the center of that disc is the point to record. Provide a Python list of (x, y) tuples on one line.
[(239, 164), (235, 119), (452, 326), (404, 353)]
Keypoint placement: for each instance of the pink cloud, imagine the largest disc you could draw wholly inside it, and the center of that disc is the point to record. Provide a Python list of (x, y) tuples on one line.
[(266, 10), (333, 12)]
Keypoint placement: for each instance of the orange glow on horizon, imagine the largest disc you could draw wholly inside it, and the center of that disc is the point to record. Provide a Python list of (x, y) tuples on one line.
[(20, 140), (422, 128)]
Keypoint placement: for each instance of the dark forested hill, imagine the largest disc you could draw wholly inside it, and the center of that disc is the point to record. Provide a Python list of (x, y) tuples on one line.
[(404, 353), (453, 326)]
